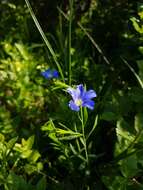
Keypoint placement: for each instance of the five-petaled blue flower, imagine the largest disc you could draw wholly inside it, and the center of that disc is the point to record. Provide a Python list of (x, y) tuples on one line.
[(49, 74), (81, 98)]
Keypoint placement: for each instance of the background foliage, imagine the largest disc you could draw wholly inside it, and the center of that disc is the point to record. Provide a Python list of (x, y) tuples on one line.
[(97, 43)]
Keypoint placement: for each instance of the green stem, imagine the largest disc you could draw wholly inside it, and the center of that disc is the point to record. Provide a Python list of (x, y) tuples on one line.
[(69, 41), (83, 133), (77, 141)]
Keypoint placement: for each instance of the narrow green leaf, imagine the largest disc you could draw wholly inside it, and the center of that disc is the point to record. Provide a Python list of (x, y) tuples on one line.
[(71, 137), (94, 126), (63, 132), (73, 149)]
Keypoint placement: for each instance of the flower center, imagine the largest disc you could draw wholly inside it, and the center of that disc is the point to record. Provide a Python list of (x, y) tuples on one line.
[(78, 102)]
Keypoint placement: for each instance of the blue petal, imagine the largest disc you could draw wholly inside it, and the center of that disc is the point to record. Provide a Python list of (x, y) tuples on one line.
[(90, 94), (72, 92), (73, 106), (77, 93), (89, 104), (55, 74), (47, 74), (80, 90)]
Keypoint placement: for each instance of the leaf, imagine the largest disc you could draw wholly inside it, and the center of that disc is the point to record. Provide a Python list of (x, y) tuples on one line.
[(66, 132), (22, 51), (63, 132), (59, 85), (39, 166), (76, 153), (34, 156), (30, 168), (125, 136), (70, 137), (114, 182), (136, 25), (82, 141), (93, 128), (129, 166), (139, 122), (48, 126), (3, 150), (12, 142), (41, 185), (16, 182), (51, 130), (2, 138), (73, 149), (2, 178), (29, 143), (26, 153), (57, 134), (141, 49), (54, 138)]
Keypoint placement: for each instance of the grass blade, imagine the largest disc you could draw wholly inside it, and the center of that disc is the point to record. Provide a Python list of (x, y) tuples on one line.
[(44, 38)]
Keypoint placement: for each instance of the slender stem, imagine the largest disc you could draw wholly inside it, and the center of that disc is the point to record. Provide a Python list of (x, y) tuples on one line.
[(83, 133), (77, 141), (69, 41)]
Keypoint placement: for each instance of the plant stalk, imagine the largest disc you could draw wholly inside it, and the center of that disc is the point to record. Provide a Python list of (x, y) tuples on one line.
[(83, 133)]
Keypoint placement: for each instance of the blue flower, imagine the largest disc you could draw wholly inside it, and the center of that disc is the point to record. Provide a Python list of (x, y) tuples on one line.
[(49, 74), (80, 97)]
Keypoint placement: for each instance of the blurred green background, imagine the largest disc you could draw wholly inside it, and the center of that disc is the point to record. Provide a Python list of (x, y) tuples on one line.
[(102, 41)]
